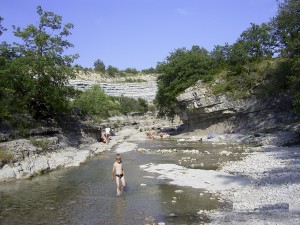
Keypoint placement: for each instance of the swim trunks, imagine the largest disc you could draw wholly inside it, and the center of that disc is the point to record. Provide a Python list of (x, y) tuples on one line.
[(119, 175)]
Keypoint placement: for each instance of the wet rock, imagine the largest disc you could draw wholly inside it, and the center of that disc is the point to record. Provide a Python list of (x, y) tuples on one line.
[(150, 219), (161, 223)]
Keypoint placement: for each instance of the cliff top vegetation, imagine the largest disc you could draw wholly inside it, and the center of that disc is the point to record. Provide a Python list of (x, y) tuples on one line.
[(265, 59)]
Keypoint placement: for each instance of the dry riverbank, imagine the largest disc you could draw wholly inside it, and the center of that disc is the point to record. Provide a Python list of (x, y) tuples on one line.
[(262, 188)]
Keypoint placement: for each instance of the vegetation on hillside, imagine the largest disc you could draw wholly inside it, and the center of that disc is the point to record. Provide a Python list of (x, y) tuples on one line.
[(265, 58), (34, 75), (101, 106)]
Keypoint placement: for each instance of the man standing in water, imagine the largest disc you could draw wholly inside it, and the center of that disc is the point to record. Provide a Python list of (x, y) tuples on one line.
[(118, 171)]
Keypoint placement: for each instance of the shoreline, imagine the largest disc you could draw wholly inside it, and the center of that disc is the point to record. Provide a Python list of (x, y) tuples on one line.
[(262, 188), (271, 196), (268, 197)]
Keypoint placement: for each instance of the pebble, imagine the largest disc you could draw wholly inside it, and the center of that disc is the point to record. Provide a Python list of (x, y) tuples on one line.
[(178, 191)]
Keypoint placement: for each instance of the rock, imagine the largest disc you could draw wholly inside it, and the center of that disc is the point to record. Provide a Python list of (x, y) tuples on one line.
[(204, 112), (181, 140), (44, 131), (227, 153), (4, 137), (7, 173), (145, 90)]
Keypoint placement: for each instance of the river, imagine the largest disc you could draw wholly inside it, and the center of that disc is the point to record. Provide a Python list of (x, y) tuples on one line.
[(86, 194)]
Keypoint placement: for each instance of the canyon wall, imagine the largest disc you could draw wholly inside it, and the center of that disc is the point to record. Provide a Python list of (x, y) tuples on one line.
[(145, 89), (205, 112)]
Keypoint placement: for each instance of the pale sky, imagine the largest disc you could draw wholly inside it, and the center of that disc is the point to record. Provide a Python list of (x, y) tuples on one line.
[(140, 33)]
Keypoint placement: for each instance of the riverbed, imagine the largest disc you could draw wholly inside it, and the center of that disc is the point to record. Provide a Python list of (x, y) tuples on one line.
[(86, 194)]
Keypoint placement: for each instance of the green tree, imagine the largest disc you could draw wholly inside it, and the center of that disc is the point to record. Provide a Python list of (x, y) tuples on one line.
[(99, 66), (128, 105), (131, 70), (151, 70), (39, 71), (287, 30), (180, 70), (5, 91), (259, 41), (96, 103), (112, 71), (286, 26), (2, 29), (220, 55)]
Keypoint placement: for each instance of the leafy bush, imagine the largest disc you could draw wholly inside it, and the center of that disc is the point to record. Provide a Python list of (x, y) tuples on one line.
[(5, 157), (96, 103), (134, 80), (22, 124), (128, 105), (112, 71), (131, 71), (42, 143)]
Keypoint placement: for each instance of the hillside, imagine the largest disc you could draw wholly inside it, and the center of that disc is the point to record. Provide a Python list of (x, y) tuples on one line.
[(137, 86)]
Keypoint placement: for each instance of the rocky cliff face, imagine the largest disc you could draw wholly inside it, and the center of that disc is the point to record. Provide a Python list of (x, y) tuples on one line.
[(202, 111), (118, 87)]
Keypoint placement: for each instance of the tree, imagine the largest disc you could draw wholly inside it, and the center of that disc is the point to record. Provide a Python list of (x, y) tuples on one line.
[(181, 69), (2, 29), (286, 26), (39, 71), (131, 70), (259, 41), (220, 55), (95, 102), (287, 30), (111, 70), (99, 66), (150, 70)]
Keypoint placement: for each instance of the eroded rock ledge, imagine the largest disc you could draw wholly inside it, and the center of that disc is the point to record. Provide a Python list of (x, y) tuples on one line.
[(203, 112)]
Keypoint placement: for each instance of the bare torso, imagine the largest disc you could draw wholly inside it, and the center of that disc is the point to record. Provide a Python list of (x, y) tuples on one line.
[(118, 168)]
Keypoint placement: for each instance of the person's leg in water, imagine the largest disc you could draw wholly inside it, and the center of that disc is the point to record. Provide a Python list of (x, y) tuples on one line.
[(118, 185), (123, 182)]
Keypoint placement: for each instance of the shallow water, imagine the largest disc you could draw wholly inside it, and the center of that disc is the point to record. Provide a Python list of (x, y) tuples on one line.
[(86, 194)]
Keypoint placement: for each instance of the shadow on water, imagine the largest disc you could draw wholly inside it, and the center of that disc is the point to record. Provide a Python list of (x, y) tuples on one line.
[(86, 195)]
